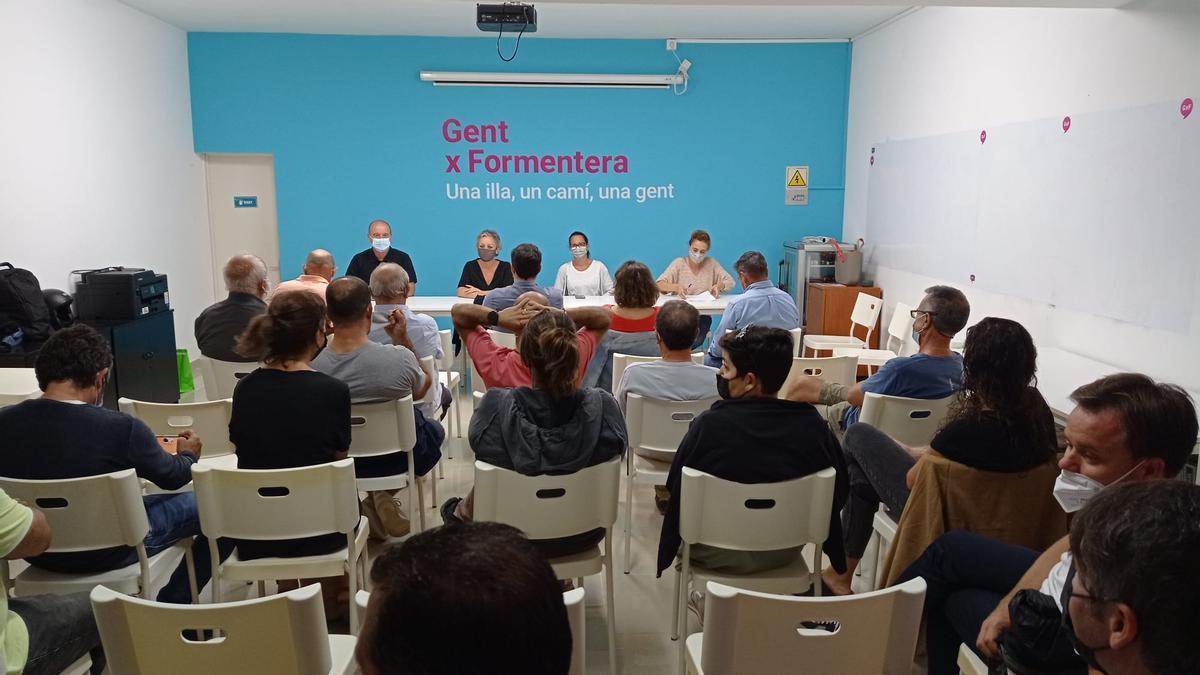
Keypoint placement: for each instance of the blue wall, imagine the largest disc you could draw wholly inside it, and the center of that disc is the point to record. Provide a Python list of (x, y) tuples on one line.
[(357, 136)]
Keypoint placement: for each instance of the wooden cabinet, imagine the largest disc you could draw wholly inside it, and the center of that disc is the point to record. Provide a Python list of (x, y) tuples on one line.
[(829, 307)]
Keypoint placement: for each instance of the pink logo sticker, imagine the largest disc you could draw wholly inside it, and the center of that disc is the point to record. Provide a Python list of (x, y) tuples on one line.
[(1066, 124), (872, 160), (983, 136), (1185, 108)]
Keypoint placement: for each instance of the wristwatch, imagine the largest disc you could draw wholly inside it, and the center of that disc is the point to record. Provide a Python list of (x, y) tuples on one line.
[(493, 318)]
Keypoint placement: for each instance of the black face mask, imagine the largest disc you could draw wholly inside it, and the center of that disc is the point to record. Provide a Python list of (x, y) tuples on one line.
[(1085, 652), (723, 387)]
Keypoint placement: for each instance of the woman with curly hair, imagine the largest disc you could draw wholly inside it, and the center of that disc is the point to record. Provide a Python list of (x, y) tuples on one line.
[(997, 422)]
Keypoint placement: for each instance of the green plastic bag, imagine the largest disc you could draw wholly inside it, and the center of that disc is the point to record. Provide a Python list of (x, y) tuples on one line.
[(186, 383)]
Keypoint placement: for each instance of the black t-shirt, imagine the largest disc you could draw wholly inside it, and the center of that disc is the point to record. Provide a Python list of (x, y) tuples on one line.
[(282, 420), (472, 275), (365, 262), (985, 441)]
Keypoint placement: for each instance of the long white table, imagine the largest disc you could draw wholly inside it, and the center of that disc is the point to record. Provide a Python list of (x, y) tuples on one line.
[(439, 305)]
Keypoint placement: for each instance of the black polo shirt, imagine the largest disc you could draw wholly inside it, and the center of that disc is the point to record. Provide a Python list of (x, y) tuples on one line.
[(365, 262)]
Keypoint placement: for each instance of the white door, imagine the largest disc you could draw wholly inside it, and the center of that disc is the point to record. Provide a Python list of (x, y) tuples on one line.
[(241, 212)]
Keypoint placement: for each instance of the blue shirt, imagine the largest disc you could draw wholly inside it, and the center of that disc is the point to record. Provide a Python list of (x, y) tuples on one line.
[(761, 305), (917, 376), (503, 298)]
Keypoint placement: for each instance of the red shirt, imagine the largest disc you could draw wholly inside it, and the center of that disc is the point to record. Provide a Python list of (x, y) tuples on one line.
[(503, 367), (645, 325)]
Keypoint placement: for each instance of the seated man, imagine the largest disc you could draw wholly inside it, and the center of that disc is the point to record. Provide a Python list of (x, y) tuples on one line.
[(1125, 428), (934, 372), (389, 288), (501, 366), (526, 265), (676, 377), (754, 437), (376, 372), (482, 580), (1132, 603), (760, 305), (40, 633), (317, 273), (218, 326), (66, 434)]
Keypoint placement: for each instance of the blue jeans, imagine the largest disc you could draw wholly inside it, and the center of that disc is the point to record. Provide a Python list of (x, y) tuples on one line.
[(61, 630)]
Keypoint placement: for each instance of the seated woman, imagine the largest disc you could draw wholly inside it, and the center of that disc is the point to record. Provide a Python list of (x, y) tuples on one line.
[(696, 273), (999, 422), (632, 328), (553, 427), (485, 272), (582, 275), (285, 414)]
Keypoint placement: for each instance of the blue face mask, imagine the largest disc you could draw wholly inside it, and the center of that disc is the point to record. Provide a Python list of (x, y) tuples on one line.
[(381, 244)]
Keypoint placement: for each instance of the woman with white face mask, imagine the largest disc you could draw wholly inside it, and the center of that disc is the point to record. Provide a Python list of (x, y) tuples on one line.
[(583, 276), (696, 273)]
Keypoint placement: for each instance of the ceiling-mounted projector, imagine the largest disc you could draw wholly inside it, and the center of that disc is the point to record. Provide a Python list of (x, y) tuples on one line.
[(510, 16)]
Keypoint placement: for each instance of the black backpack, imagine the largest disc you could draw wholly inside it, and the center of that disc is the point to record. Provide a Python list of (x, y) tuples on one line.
[(22, 304)]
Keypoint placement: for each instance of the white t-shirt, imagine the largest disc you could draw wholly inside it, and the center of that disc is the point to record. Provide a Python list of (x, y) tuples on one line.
[(1054, 583), (595, 280)]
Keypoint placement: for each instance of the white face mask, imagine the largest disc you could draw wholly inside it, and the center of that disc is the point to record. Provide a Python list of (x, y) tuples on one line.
[(578, 251), (1073, 490), (381, 244), (697, 257)]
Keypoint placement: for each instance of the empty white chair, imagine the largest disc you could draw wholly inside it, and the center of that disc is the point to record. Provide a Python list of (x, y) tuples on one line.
[(752, 517), (549, 507), (899, 333), (911, 421), (864, 315), (87, 514), (278, 635), (450, 379), (623, 361), (839, 369), (382, 429), (208, 419), (283, 504), (573, 599), (432, 401), (220, 377), (656, 427), (747, 632)]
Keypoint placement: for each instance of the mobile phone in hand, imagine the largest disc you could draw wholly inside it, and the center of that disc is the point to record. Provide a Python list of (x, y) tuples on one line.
[(170, 444)]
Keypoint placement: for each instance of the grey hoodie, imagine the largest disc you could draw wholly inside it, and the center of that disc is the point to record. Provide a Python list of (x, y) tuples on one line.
[(530, 432)]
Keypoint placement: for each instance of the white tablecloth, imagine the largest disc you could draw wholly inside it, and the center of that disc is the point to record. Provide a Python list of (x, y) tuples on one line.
[(439, 305)]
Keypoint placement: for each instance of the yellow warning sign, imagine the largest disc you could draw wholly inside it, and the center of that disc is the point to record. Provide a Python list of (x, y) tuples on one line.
[(797, 179)]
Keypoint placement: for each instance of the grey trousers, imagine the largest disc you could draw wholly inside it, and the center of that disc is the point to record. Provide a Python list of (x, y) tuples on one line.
[(877, 468)]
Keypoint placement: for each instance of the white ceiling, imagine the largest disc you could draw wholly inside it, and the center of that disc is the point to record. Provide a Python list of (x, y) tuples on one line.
[(560, 18)]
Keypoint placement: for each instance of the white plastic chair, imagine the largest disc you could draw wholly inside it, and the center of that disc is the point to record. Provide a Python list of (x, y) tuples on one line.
[(429, 366), (911, 421), (698, 357), (656, 427), (208, 419), (16, 385), (797, 340), (864, 315), (220, 377), (549, 507), (92, 513), (573, 599), (899, 333), (839, 369), (752, 517), (747, 632), (969, 662), (504, 340), (450, 379), (283, 504), (623, 361), (279, 635), (382, 429), (883, 533)]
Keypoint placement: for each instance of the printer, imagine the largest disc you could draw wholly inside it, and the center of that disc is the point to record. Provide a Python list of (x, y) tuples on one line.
[(119, 293)]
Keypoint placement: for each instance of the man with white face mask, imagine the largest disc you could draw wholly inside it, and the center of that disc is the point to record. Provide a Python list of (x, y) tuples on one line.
[(379, 233), (1125, 428)]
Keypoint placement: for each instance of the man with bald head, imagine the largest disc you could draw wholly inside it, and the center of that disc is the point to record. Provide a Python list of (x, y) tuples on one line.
[(218, 327), (379, 233), (318, 271)]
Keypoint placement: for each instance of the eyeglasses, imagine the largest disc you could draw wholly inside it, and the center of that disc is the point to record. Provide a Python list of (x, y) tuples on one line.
[(916, 313)]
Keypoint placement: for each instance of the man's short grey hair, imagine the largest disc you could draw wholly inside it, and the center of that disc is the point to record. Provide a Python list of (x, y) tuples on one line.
[(949, 308), (752, 264), (245, 274), (488, 233), (389, 280), (319, 258)]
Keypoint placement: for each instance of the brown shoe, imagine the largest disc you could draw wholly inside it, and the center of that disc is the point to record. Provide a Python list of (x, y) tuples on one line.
[(391, 518), (662, 497)]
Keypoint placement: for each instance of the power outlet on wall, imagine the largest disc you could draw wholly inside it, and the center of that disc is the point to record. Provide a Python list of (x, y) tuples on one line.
[(672, 43)]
